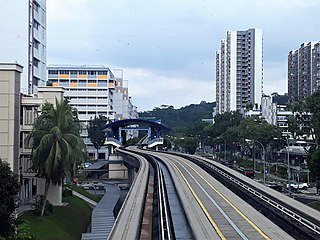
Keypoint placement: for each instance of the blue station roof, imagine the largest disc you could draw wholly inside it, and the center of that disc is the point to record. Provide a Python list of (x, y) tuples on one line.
[(135, 121)]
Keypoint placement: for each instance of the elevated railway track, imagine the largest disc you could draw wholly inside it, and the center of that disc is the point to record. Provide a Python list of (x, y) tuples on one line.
[(190, 197)]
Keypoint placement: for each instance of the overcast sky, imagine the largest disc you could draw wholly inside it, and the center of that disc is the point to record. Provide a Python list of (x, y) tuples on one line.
[(167, 48)]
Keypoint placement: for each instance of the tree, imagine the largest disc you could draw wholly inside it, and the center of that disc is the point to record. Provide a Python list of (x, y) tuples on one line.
[(310, 108), (97, 137), (189, 144), (250, 128), (57, 145), (224, 121), (9, 189)]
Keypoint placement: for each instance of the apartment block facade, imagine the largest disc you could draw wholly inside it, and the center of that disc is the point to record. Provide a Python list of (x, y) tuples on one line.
[(93, 90), (27, 45), (304, 70), (30, 108), (239, 70)]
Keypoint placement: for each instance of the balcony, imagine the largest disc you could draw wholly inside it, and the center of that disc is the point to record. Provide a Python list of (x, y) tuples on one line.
[(88, 101), (75, 92)]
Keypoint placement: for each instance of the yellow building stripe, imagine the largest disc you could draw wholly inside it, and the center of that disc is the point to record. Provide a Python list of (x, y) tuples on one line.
[(82, 76), (215, 226), (234, 207), (63, 75), (102, 77)]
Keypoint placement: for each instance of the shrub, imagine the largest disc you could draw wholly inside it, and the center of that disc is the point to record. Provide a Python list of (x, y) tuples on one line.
[(66, 192), (38, 206)]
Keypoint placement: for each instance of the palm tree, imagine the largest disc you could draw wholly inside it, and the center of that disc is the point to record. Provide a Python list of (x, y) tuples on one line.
[(57, 145)]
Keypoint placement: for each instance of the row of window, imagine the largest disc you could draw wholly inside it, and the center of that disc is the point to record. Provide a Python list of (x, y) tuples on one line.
[(79, 81), (77, 72)]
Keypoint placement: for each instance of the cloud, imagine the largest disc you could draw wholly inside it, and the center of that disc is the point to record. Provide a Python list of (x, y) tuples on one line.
[(151, 89), (167, 48), (275, 77)]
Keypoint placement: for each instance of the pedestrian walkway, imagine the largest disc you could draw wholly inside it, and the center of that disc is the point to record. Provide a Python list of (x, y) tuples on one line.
[(88, 200), (103, 217)]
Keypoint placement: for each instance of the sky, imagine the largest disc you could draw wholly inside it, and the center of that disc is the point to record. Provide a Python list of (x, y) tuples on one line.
[(167, 48)]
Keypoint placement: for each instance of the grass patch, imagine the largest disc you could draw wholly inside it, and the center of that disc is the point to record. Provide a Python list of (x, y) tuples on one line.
[(82, 191), (67, 222)]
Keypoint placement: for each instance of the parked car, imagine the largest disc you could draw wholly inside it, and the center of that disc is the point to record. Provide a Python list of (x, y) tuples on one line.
[(298, 186)]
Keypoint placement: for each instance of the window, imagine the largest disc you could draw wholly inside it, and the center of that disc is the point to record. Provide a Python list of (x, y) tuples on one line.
[(36, 62), (102, 72), (36, 24), (82, 73), (64, 72), (36, 6), (53, 72), (36, 43)]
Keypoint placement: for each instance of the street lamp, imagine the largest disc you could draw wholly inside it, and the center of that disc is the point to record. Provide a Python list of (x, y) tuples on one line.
[(253, 158), (225, 147), (263, 157), (288, 162)]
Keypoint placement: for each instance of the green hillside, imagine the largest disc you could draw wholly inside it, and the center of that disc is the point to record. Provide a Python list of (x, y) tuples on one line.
[(176, 118)]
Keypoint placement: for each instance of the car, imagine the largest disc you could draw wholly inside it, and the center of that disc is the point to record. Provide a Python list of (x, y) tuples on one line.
[(85, 165), (298, 186)]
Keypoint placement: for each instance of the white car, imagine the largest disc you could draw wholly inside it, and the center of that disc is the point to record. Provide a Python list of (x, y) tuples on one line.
[(301, 185)]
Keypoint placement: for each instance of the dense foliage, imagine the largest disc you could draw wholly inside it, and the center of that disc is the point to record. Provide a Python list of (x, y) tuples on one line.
[(97, 137), (9, 189), (300, 129), (174, 118)]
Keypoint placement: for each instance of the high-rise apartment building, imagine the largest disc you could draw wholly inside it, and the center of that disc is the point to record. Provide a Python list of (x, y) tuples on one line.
[(24, 40), (239, 70), (304, 70), (93, 90)]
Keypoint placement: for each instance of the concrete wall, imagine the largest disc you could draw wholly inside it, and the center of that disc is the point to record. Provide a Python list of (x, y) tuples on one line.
[(50, 94), (10, 74), (117, 170)]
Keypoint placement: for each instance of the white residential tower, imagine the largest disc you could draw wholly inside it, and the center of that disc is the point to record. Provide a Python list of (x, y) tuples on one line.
[(239, 71)]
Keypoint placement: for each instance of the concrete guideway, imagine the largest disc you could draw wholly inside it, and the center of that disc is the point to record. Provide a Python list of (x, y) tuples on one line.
[(127, 224), (257, 226), (212, 210)]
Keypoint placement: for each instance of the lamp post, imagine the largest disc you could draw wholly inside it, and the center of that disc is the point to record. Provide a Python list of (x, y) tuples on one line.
[(288, 162), (263, 157), (225, 147), (253, 159)]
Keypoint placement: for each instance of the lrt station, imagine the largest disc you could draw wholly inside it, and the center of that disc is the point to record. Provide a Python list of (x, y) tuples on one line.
[(115, 167)]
